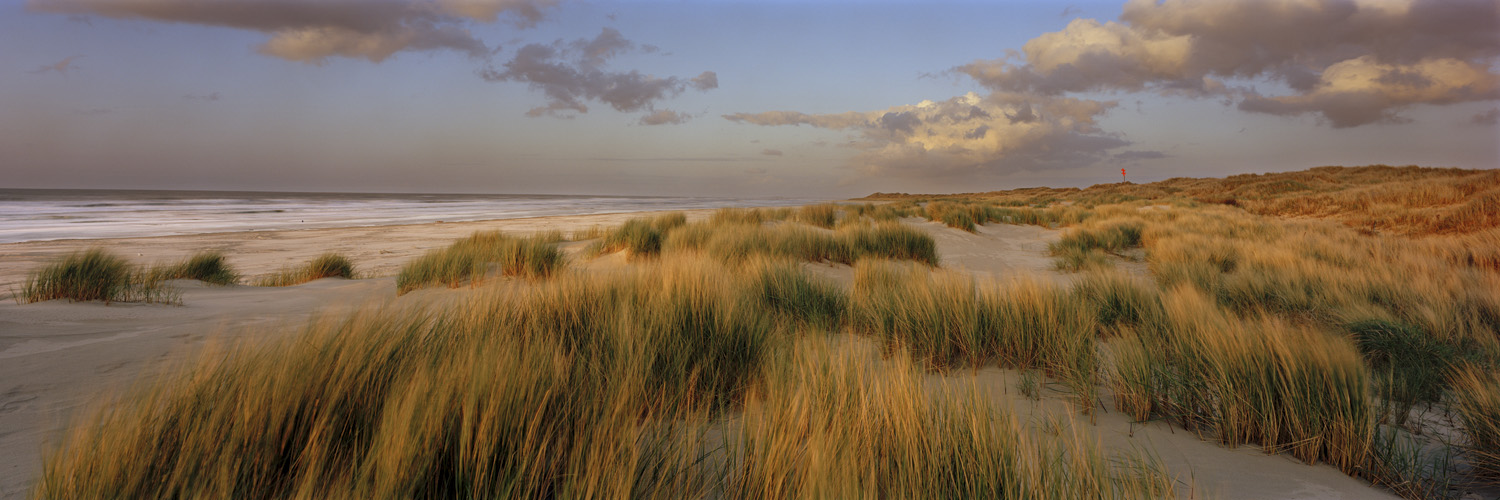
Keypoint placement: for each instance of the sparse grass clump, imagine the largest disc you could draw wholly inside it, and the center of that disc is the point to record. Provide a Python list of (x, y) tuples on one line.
[(822, 215), (94, 274), (328, 265), (1086, 246), (468, 261), (890, 240), (208, 267), (957, 215), (736, 240)]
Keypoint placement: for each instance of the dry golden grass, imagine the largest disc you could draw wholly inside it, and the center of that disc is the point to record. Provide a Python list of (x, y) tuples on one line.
[(703, 371), (1409, 200), (579, 386)]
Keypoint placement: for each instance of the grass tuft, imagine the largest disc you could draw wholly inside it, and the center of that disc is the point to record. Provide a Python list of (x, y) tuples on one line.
[(642, 237), (95, 274), (468, 261), (328, 265), (823, 215), (208, 267)]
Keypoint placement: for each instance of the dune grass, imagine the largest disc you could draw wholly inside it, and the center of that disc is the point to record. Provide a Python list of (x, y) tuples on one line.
[(642, 237), (1248, 380), (1476, 396), (328, 265), (574, 387), (208, 267), (797, 296), (690, 373), (845, 424), (1411, 366), (95, 274), (946, 320), (735, 239), (567, 388), (468, 260), (823, 215), (1087, 245)]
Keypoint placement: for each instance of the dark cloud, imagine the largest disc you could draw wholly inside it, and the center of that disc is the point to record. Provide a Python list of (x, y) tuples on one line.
[(1071, 10), (60, 67), (966, 135), (1334, 55), (1023, 115), (313, 31), (665, 117), (209, 97), (571, 74), (904, 122)]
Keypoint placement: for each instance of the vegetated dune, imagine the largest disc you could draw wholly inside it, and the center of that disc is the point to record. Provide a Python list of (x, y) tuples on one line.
[(1143, 348), (1410, 200)]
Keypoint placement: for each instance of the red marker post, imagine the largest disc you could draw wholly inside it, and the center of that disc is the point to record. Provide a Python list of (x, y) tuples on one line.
[(1122, 176)]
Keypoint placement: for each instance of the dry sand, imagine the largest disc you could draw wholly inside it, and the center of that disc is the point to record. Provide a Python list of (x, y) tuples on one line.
[(57, 357)]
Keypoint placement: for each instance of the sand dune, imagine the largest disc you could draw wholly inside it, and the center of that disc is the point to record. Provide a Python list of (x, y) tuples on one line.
[(56, 357)]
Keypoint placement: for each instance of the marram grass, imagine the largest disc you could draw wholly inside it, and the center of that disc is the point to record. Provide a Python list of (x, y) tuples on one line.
[(469, 260), (208, 267), (328, 265), (844, 423), (946, 319), (95, 274), (575, 387)]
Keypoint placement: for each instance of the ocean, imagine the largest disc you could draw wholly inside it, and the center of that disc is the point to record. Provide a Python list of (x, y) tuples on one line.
[(53, 214)]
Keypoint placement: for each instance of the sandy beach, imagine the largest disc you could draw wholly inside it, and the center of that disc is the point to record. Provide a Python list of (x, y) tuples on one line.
[(58, 357)]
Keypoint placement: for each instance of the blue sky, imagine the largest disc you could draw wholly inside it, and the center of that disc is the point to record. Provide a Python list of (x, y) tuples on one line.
[(822, 99)]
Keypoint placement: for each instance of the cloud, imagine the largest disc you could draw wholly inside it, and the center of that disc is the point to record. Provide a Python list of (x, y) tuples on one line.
[(1490, 117), (966, 135), (1070, 10), (1351, 62), (312, 31), (665, 117), (1362, 90), (60, 67), (1135, 156), (771, 152), (706, 80), (209, 97), (571, 74)]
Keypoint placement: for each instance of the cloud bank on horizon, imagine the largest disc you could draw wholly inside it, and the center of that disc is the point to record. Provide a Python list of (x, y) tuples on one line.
[(1349, 62)]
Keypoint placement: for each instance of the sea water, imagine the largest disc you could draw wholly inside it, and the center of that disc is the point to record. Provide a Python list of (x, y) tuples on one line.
[(47, 214)]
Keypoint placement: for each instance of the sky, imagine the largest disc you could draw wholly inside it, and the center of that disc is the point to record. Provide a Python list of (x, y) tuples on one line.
[(822, 98)]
